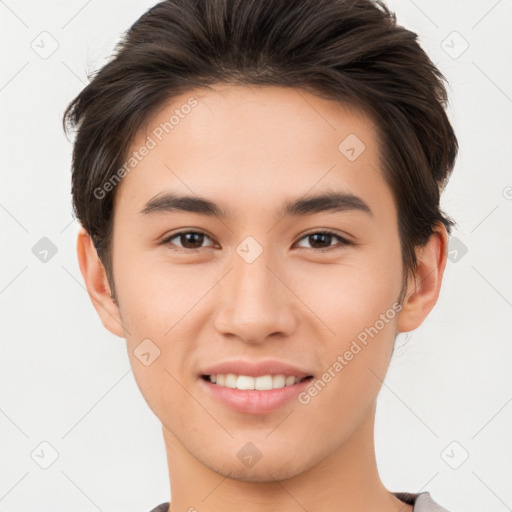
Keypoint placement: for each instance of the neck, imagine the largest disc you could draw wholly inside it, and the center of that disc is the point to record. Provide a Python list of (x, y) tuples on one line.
[(346, 481)]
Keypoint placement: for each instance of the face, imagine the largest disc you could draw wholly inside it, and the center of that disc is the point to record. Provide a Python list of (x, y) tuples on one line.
[(302, 297)]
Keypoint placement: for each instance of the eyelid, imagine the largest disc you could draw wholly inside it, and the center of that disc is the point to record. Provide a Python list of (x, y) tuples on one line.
[(343, 240), (167, 238)]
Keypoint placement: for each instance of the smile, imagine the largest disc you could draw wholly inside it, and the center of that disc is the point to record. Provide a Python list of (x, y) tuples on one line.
[(247, 382)]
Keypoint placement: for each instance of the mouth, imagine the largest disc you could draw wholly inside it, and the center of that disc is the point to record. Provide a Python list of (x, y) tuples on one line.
[(256, 395), (259, 383), (254, 386)]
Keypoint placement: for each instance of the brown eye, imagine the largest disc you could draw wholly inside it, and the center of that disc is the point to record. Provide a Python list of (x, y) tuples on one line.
[(187, 239), (323, 240)]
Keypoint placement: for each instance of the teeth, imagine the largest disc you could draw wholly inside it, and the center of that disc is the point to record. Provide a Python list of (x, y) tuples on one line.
[(290, 381), (262, 383), (244, 382), (279, 381), (230, 381)]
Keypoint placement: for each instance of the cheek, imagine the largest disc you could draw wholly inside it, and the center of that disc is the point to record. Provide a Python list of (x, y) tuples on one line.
[(356, 301), (158, 304), (353, 294), (155, 295)]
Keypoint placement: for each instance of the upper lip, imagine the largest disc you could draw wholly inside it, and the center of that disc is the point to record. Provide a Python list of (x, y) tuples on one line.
[(255, 368)]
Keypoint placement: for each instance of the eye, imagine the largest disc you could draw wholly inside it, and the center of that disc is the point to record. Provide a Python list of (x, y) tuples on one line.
[(191, 240), (321, 240)]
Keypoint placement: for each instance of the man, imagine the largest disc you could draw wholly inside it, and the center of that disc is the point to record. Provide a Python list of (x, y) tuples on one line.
[(258, 185)]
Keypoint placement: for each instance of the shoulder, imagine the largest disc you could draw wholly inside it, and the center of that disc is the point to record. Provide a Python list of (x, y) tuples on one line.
[(422, 502)]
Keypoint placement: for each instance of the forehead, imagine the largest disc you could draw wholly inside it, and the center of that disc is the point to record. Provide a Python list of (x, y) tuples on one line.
[(250, 144)]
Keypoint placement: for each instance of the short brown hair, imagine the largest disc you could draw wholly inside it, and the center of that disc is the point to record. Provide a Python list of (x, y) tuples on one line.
[(346, 50)]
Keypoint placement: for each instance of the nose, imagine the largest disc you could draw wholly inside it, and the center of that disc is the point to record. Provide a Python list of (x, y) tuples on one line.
[(255, 301)]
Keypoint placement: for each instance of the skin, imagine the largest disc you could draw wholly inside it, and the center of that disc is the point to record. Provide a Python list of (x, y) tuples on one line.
[(251, 149)]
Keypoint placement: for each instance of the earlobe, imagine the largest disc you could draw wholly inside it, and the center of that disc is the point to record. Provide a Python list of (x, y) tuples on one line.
[(423, 289), (97, 284)]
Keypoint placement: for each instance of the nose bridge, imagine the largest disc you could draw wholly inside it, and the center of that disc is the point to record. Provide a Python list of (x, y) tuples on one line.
[(254, 302)]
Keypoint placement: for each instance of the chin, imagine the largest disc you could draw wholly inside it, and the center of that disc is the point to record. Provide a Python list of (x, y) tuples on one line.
[(262, 471)]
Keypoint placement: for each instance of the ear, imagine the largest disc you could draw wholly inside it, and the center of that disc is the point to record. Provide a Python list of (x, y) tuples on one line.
[(424, 287), (96, 281)]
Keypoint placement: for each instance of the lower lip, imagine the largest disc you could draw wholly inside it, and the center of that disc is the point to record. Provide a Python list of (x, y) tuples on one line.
[(252, 401)]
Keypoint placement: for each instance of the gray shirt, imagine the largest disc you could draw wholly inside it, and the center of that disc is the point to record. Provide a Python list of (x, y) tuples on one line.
[(422, 502)]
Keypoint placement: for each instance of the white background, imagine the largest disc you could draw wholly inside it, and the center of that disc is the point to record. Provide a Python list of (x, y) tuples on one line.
[(67, 381)]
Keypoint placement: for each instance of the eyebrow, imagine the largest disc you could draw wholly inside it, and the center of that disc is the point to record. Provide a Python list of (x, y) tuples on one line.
[(327, 202)]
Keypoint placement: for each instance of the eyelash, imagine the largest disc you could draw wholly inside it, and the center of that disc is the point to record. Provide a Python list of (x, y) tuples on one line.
[(342, 241)]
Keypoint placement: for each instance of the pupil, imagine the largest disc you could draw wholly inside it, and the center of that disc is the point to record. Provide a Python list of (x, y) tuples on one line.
[(191, 240), (316, 235), (197, 236)]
